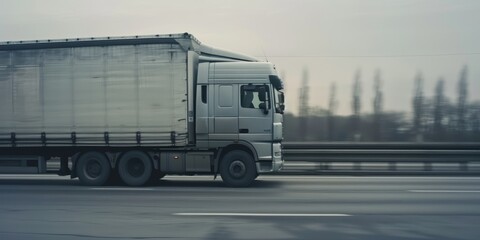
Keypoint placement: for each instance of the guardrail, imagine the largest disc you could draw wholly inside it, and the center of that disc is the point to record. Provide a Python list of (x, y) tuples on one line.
[(382, 158)]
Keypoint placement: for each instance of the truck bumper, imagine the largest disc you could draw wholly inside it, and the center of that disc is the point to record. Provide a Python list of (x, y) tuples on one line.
[(274, 163), (277, 157)]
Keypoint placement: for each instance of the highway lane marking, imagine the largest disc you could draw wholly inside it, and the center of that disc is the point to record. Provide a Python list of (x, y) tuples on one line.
[(123, 189), (56, 177), (433, 178), (285, 178), (32, 176), (265, 214), (444, 191), (303, 177)]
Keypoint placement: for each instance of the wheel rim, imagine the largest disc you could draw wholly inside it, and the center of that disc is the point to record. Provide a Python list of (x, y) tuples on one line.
[(93, 168), (237, 169), (135, 167)]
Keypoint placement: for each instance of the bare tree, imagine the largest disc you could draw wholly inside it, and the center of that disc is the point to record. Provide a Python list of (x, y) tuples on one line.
[(474, 120), (356, 105), (439, 109), (332, 107), (303, 108), (418, 107), (303, 95), (462, 101), (332, 100), (377, 106)]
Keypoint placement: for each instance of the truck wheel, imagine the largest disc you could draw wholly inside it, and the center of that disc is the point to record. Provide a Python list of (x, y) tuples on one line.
[(93, 169), (135, 168), (237, 169)]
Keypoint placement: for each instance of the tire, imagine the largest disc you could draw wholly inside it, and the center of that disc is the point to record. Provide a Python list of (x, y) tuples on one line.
[(238, 169), (93, 169), (135, 168)]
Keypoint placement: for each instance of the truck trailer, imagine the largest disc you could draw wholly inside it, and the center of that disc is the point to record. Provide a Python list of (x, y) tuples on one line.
[(138, 108)]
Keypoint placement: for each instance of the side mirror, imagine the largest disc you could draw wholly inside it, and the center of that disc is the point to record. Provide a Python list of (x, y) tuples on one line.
[(262, 96), (264, 107), (281, 97), (282, 102)]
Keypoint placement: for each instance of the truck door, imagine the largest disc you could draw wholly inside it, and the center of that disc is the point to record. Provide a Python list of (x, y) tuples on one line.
[(226, 112), (255, 113)]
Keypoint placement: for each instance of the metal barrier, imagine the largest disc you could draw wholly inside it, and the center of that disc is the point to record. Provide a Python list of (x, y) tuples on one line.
[(382, 158)]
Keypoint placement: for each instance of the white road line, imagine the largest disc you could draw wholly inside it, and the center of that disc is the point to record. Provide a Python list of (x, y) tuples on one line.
[(32, 176), (301, 164), (264, 176), (123, 189), (444, 191), (265, 214), (300, 177)]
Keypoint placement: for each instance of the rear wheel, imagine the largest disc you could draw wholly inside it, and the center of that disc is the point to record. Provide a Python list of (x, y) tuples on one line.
[(238, 169), (135, 168), (93, 169)]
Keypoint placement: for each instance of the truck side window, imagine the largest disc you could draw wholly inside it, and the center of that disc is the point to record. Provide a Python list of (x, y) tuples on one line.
[(250, 96)]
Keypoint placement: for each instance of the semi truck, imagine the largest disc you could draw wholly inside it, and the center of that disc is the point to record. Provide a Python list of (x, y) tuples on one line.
[(138, 108)]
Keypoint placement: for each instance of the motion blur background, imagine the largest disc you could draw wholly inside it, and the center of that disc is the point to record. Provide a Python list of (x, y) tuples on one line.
[(370, 70)]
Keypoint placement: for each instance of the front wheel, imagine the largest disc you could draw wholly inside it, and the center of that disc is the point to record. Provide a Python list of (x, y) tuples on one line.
[(238, 169)]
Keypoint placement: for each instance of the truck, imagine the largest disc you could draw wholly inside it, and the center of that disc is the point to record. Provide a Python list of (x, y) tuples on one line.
[(138, 108)]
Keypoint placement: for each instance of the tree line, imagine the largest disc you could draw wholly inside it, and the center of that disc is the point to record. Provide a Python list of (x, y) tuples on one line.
[(432, 118)]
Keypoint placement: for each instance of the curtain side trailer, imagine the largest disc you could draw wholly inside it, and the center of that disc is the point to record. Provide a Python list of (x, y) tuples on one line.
[(138, 107)]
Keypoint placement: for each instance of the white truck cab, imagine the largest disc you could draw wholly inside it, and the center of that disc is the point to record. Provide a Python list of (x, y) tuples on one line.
[(241, 102)]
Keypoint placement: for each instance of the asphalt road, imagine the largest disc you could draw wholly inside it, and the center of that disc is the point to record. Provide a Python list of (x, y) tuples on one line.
[(276, 207)]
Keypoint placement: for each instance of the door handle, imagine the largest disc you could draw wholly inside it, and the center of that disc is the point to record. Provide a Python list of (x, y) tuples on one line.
[(243, 130)]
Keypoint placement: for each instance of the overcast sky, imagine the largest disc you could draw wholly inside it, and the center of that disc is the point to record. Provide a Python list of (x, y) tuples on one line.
[(332, 39)]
